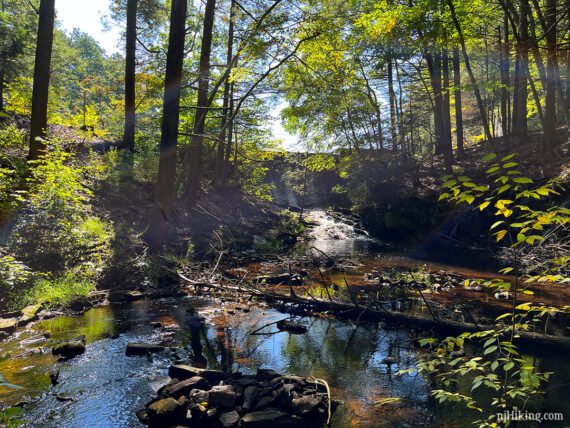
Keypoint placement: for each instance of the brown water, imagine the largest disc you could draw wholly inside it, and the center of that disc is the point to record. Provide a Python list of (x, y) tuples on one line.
[(103, 387)]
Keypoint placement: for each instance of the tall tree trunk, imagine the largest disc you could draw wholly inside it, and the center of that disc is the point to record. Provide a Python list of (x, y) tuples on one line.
[(505, 81), (467, 62), (446, 113), (165, 189), (220, 154), (392, 99), (434, 68), (550, 98), (2, 78), (567, 91), (130, 66), (195, 152), (42, 69), (458, 102), (520, 124), (230, 133)]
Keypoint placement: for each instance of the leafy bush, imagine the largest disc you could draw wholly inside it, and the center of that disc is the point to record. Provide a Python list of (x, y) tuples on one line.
[(60, 291)]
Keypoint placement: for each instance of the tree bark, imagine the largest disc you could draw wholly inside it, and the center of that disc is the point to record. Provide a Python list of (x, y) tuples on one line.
[(434, 68), (550, 97), (165, 189), (42, 70), (447, 146), (520, 124), (130, 66), (458, 102), (220, 154), (467, 62), (392, 99), (505, 81), (2, 78), (195, 152)]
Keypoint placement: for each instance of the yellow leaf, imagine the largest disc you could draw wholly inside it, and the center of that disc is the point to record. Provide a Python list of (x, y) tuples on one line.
[(501, 234)]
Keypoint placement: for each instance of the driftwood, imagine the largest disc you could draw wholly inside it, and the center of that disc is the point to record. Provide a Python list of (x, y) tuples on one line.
[(526, 340)]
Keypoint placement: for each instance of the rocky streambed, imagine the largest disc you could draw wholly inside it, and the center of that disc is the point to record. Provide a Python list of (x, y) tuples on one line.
[(197, 397)]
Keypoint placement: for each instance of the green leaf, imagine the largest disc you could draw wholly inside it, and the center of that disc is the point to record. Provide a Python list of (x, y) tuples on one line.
[(510, 165), (489, 157), (523, 180), (490, 349)]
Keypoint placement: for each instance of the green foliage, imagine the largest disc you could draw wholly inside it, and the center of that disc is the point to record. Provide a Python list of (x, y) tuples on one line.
[(508, 377), (61, 290)]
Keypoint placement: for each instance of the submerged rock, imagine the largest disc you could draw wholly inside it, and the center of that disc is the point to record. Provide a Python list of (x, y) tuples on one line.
[(70, 349), (142, 349), (291, 327), (282, 279), (122, 296)]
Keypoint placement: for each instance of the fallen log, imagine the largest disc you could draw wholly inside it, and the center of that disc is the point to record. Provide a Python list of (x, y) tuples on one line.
[(525, 340)]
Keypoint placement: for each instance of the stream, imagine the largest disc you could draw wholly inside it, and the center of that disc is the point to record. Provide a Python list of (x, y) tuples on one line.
[(104, 388)]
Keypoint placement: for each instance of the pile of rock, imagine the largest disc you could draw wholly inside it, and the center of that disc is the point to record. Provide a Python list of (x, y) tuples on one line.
[(210, 398)]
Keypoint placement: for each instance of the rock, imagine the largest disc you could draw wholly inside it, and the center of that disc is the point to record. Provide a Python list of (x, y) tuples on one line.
[(389, 361), (223, 395), (29, 314), (142, 416), (265, 401), (229, 419), (273, 418), (167, 411), (122, 296), (11, 314), (291, 327), (142, 349), (184, 387), (247, 381), (250, 395), (305, 405), (182, 371), (212, 376), (3, 335), (199, 396), (156, 324), (54, 376), (266, 374), (80, 305), (70, 349), (8, 325)]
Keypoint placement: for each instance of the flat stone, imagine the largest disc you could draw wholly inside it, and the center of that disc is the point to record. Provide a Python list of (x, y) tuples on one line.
[(69, 349), (265, 401), (229, 419), (11, 314), (182, 371), (223, 395), (270, 418), (247, 381), (30, 313), (212, 376), (8, 325), (184, 387), (199, 396), (142, 349)]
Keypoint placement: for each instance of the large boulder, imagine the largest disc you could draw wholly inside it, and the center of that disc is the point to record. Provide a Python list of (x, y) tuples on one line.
[(70, 349), (29, 314), (306, 405), (229, 419)]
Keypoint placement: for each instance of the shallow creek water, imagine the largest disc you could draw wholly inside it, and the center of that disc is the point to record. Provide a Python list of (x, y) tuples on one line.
[(103, 387)]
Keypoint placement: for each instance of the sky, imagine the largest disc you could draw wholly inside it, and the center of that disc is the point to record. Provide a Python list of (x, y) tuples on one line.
[(87, 14)]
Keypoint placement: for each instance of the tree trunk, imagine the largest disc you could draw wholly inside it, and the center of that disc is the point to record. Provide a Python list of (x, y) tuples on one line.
[(520, 124), (550, 98), (458, 102), (165, 189), (476, 91), (505, 81), (230, 133), (446, 114), (434, 68), (130, 66), (42, 66), (392, 98), (220, 155), (195, 152), (567, 92), (2, 79)]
